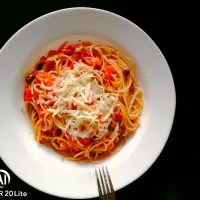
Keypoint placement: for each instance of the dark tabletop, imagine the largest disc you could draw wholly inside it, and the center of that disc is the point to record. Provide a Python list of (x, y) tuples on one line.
[(170, 177)]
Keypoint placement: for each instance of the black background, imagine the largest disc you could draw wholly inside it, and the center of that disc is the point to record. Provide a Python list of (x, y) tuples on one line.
[(171, 177)]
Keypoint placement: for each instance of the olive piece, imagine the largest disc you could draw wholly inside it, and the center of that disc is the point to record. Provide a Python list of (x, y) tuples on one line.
[(126, 72), (39, 66), (30, 78)]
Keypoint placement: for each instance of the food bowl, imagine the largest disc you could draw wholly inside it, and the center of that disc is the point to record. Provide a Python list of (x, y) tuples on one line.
[(39, 166)]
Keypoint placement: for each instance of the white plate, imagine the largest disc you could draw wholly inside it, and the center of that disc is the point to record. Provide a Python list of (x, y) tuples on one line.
[(42, 168)]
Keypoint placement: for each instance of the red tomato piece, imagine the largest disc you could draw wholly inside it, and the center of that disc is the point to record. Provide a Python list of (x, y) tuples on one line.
[(72, 47), (63, 145), (90, 103), (101, 121), (36, 72), (95, 53), (74, 107), (67, 51), (85, 53), (50, 65), (97, 62), (52, 53), (42, 59), (108, 75), (119, 117), (103, 138), (109, 69), (86, 141), (27, 94), (75, 149), (110, 146), (71, 66), (76, 56)]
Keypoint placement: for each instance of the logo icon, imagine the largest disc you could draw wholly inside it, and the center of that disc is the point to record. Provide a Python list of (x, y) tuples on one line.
[(4, 178)]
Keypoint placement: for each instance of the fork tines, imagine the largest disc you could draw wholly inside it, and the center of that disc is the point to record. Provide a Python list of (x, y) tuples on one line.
[(104, 183)]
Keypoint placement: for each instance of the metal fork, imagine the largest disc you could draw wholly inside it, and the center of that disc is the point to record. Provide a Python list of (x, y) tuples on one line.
[(104, 183)]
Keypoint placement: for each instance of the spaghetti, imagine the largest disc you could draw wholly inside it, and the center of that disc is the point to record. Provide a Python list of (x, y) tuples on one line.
[(83, 100)]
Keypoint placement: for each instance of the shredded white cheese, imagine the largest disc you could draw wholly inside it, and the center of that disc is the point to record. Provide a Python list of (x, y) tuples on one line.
[(82, 101)]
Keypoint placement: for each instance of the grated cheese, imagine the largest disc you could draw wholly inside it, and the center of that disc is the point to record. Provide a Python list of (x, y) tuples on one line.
[(83, 101)]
